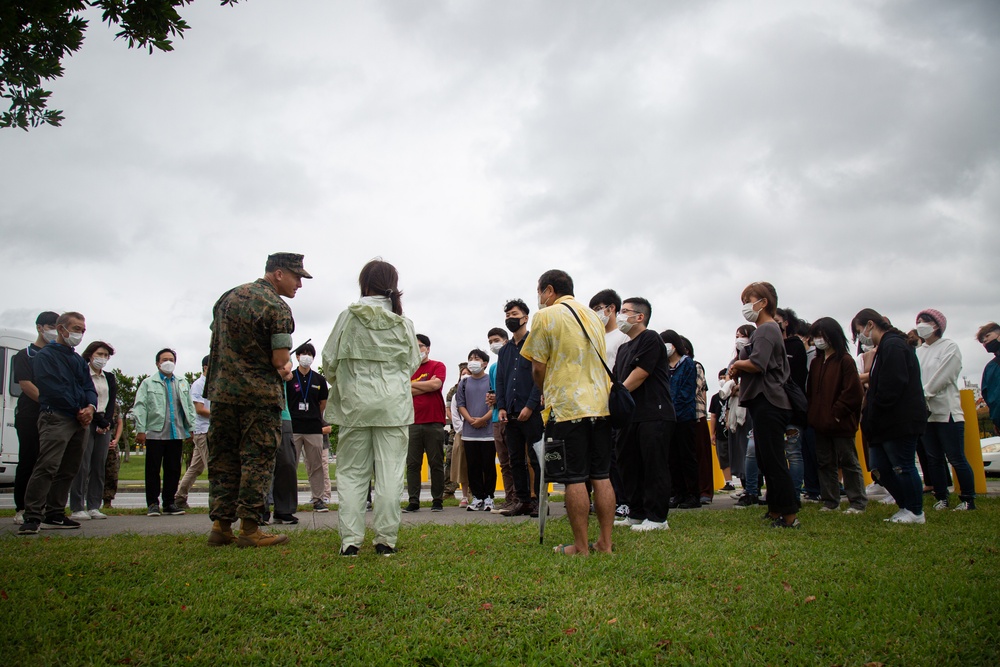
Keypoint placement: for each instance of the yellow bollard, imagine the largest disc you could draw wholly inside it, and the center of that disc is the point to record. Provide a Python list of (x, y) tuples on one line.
[(717, 476), (860, 446), (973, 448)]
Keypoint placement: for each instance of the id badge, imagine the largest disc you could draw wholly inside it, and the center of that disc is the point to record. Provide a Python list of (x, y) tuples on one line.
[(303, 407)]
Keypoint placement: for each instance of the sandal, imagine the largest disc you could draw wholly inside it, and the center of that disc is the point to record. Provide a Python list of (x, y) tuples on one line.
[(561, 549)]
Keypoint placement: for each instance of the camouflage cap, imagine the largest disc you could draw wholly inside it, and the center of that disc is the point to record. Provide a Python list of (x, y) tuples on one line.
[(289, 261)]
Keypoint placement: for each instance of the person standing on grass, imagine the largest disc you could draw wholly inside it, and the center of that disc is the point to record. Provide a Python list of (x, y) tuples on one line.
[(566, 363), (944, 440), (113, 464), (87, 491), (67, 402), (683, 446), (369, 358), (164, 416), (27, 410), (459, 466), (427, 430), (199, 435), (763, 370), (835, 396), (307, 393), (720, 436), (497, 339), (894, 413), (251, 336), (798, 369), (702, 434), (477, 432), (284, 491), (989, 337), (644, 445), (520, 408)]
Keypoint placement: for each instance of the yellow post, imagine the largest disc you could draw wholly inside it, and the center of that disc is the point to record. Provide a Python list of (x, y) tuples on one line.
[(973, 448), (717, 476), (860, 446)]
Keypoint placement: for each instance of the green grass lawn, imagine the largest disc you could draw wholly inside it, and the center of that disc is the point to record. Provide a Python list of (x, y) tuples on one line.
[(134, 468), (720, 588)]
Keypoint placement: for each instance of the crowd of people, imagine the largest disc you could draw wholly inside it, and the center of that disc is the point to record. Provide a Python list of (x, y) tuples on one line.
[(783, 423)]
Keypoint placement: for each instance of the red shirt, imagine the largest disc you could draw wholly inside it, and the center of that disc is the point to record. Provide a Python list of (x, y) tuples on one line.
[(429, 408)]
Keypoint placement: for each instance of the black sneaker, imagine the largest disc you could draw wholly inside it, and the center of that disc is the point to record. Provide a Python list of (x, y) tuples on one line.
[(351, 551), (173, 510), (780, 523), (182, 504), (689, 504), (59, 522), (320, 506), (153, 510), (412, 507), (285, 518), (728, 487), (746, 500), (29, 527), (265, 520), (436, 506), (384, 550)]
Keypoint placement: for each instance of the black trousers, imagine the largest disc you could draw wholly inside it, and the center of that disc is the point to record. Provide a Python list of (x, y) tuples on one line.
[(520, 436), (769, 424), (684, 462), (481, 456), (165, 453), (644, 460), (27, 455)]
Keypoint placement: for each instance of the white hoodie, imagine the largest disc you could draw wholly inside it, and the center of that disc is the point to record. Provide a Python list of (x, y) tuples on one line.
[(940, 366)]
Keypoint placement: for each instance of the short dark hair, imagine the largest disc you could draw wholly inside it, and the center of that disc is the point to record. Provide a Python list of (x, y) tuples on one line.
[(63, 319), (306, 348), (746, 329), (517, 303), (607, 297), (204, 361), (762, 290), (46, 319), (482, 356), (724, 371), (641, 305), (830, 330), (88, 353), (166, 349), (793, 324), (987, 328), (560, 281), (424, 339), (497, 331)]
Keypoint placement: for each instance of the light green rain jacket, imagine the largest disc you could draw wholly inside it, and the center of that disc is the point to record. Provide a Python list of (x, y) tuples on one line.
[(369, 359)]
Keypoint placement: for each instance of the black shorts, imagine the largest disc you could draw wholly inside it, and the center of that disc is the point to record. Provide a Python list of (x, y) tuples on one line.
[(588, 448)]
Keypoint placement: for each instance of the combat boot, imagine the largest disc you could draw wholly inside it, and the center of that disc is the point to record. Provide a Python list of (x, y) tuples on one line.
[(252, 536), (222, 534)]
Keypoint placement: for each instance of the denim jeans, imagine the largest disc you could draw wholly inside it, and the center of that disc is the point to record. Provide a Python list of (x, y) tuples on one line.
[(895, 461), (810, 477), (947, 439), (793, 455), (751, 481)]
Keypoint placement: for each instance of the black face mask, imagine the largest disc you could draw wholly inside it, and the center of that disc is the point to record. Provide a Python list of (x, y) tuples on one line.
[(993, 346), (512, 324)]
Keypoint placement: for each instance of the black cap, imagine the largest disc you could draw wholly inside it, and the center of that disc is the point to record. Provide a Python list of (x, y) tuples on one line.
[(288, 261), (48, 318)]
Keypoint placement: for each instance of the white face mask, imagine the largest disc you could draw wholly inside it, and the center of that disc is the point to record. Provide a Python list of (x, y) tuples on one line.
[(603, 316), (475, 367), (865, 340), (820, 343), (305, 361), (167, 367), (73, 338), (99, 362), (423, 356), (670, 349), (925, 330), (541, 302), (495, 347), (50, 335), (742, 343), (623, 324), (749, 313)]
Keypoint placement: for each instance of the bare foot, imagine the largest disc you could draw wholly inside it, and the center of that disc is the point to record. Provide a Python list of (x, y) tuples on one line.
[(568, 550)]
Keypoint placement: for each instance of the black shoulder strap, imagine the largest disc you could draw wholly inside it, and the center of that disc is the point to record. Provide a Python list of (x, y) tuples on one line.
[(587, 336)]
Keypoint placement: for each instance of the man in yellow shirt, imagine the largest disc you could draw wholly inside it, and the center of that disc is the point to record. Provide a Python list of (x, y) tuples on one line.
[(575, 386)]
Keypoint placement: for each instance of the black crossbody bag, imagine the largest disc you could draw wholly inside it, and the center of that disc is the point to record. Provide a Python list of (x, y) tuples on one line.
[(621, 405)]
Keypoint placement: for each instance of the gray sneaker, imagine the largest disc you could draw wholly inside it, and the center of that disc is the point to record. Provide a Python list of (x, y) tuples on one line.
[(153, 510), (320, 506)]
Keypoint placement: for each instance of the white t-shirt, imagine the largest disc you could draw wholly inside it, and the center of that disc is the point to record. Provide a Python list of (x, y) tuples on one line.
[(612, 341), (197, 396)]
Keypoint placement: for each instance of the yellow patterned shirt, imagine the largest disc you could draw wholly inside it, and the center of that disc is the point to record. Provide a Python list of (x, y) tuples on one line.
[(576, 384)]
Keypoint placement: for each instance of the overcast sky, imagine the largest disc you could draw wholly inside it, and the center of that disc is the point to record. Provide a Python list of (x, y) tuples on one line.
[(848, 152)]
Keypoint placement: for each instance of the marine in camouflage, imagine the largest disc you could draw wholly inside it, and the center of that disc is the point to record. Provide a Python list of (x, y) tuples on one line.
[(242, 443)]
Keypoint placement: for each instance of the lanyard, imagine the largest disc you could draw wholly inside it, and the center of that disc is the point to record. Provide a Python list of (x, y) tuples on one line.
[(304, 388)]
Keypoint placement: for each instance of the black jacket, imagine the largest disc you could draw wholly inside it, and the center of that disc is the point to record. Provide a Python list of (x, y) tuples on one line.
[(106, 419), (895, 405)]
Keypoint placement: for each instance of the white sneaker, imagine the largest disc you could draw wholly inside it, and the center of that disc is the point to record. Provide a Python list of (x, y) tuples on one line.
[(475, 505), (737, 494), (80, 516), (961, 507), (487, 504), (887, 500), (853, 510), (626, 521), (896, 516), (941, 505), (648, 525), (824, 508), (97, 514), (906, 516), (19, 517), (875, 490)]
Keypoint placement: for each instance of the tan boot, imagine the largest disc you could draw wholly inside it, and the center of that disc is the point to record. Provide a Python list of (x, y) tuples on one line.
[(221, 535), (252, 536)]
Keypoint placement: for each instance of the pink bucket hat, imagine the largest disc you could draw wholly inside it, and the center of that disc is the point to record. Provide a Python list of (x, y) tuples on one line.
[(935, 315)]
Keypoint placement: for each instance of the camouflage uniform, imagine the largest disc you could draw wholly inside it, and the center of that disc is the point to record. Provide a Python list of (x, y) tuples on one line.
[(111, 466), (248, 323)]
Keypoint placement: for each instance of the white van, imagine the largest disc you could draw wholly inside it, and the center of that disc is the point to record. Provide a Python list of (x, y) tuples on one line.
[(11, 342)]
